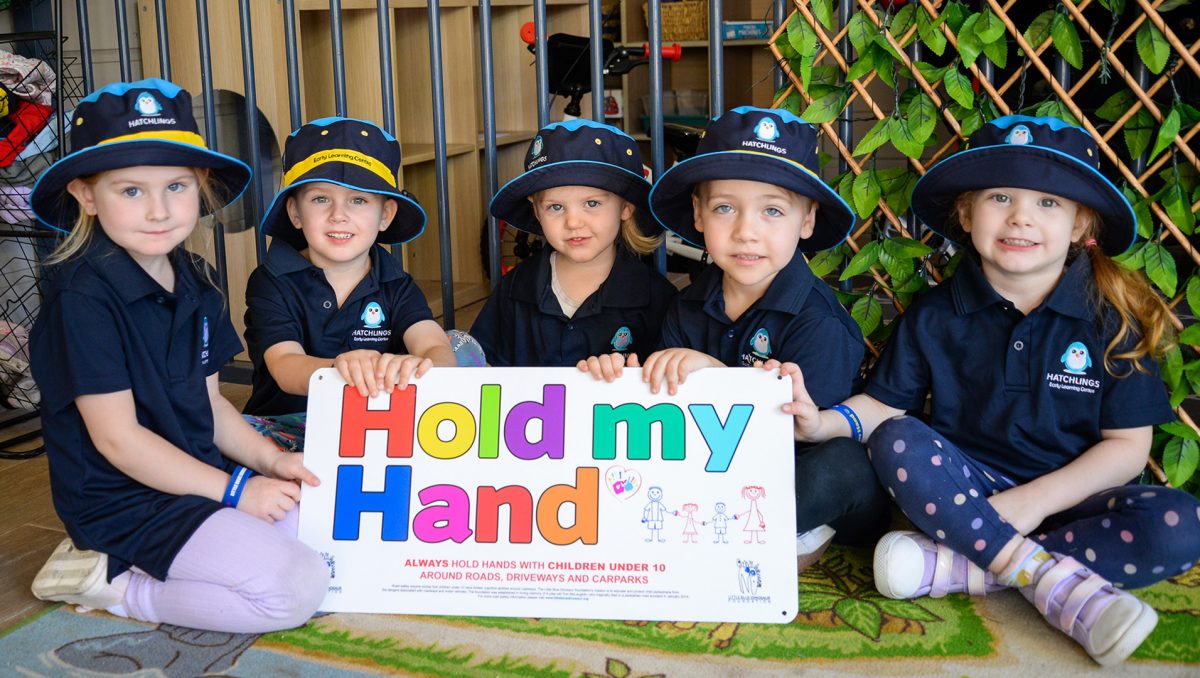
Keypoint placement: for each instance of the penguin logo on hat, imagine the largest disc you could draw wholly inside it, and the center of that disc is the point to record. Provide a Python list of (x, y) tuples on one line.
[(372, 316), (536, 149), (1076, 359), (766, 130), (147, 105), (1019, 135)]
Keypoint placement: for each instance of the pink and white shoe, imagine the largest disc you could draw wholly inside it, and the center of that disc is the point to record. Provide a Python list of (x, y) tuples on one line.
[(910, 565), (1107, 622)]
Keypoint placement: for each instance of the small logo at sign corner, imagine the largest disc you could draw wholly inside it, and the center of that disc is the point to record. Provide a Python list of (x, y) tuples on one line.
[(766, 130), (1076, 359), (749, 576), (147, 105)]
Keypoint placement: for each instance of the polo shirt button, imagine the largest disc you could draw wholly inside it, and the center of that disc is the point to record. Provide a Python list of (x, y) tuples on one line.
[(158, 298), (1018, 344), (570, 327), (328, 304)]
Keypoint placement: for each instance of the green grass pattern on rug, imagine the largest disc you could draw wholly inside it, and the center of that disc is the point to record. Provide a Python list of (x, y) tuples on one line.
[(1177, 601), (842, 617)]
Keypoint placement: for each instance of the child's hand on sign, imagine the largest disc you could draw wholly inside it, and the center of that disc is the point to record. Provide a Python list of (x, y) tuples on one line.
[(806, 415), (673, 365), (359, 368), (607, 367), (268, 498), (398, 370)]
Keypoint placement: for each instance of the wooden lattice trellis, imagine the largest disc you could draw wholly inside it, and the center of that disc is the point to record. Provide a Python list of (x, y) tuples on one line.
[(823, 82)]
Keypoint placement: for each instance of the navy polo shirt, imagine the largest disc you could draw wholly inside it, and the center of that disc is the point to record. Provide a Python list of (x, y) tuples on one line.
[(797, 320), (289, 299), (107, 326), (522, 324), (1024, 394)]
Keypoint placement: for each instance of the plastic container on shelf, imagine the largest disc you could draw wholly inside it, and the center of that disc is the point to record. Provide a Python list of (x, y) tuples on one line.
[(691, 102), (670, 104)]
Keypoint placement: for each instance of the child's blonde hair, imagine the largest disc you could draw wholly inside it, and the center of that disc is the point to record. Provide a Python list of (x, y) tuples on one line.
[(81, 233), (1142, 313)]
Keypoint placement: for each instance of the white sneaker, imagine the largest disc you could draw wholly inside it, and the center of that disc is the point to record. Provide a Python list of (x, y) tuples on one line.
[(78, 577), (811, 545)]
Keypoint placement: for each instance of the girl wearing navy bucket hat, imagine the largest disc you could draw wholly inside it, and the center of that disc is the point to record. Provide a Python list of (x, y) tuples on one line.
[(177, 511), (327, 294), (589, 292), (1039, 355)]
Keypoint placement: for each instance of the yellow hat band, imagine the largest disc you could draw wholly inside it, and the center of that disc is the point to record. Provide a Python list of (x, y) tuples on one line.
[(189, 138), (346, 155)]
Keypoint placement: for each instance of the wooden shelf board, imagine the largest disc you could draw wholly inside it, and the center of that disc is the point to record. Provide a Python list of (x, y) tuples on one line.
[(465, 294), (415, 154), (508, 137)]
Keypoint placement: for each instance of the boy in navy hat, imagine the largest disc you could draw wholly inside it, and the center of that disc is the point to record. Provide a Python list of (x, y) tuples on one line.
[(1038, 357), (327, 294), (751, 198), (588, 293)]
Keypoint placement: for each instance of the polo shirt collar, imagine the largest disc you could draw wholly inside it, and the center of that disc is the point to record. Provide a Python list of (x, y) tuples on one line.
[(627, 286), (1070, 297), (786, 293), (129, 279)]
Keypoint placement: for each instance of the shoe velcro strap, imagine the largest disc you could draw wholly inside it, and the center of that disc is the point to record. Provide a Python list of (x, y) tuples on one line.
[(1051, 578), (943, 569), (976, 580), (1078, 598)]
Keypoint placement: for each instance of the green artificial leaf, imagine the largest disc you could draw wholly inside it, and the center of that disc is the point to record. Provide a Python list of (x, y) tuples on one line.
[(1193, 294), (885, 64), (1066, 40), (1039, 29), (1190, 335), (899, 268), (827, 261), (930, 32), (903, 21), (1114, 6), (922, 116), (1192, 372), (862, 261), (1152, 47), (1178, 394), (793, 103), (784, 45), (989, 27), (969, 119), (905, 140), (1175, 203), (1172, 366), (804, 39), (1138, 131), (823, 11), (866, 193), (898, 193), (1134, 259), (867, 313), (860, 30), (825, 75), (864, 65), (845, 187), (1166, 133), (997, 52), (875, 137), (861, 616), (1056, 109), (827, 108), (958, 86), (1180, 429), (955, 15), (1180, 459), (905, 248), (969, 44), (932, 74), (1189, 115), (1116, 105), (1160, 268)]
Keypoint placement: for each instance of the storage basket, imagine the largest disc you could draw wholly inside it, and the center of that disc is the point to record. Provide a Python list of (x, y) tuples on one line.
[(684, 20)]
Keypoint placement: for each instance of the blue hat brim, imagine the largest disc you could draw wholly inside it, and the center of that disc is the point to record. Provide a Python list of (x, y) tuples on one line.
[(512, 201), (1035, 168), (671, 198), (407, 225), (56, 209)]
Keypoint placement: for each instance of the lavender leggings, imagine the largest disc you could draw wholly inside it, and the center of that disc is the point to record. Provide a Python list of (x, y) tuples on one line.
[(237, 574)]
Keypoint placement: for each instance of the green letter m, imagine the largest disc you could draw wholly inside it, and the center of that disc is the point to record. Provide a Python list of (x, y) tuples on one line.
[(638, 420)]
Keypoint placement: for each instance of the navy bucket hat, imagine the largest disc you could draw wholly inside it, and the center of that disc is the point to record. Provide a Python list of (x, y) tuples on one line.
[(1037, 154), (127, 124), (768, 145), (575, 153), (348, 152)]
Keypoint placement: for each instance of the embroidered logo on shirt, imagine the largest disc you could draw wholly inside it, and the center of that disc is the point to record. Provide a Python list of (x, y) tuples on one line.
[(372, 316), (760, 348), (622, 340), (1076, 361), (204, 340)]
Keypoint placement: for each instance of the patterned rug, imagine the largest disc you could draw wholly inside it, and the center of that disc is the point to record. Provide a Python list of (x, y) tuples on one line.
[(845, 627)]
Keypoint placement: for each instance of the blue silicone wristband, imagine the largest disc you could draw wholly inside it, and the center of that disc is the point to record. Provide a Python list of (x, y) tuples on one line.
[(237, 483), (856, 427)]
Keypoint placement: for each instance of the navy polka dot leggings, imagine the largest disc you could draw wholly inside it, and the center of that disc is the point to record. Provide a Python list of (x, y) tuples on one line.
[(1132, 535)]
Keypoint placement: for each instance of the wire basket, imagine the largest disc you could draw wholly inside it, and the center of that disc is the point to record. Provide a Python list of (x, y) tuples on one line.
[(683, 20)]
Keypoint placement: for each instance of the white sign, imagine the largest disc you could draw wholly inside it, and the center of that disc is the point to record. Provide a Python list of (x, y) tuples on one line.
[(538, 492)]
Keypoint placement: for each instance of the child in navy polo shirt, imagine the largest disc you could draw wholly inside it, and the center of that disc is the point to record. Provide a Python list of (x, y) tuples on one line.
[(750, 197), (1039, 356), (588, 293), (150, 466), (327, 294)]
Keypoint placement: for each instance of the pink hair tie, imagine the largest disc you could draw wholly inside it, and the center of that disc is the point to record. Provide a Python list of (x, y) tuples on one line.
[(1091, 242)]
